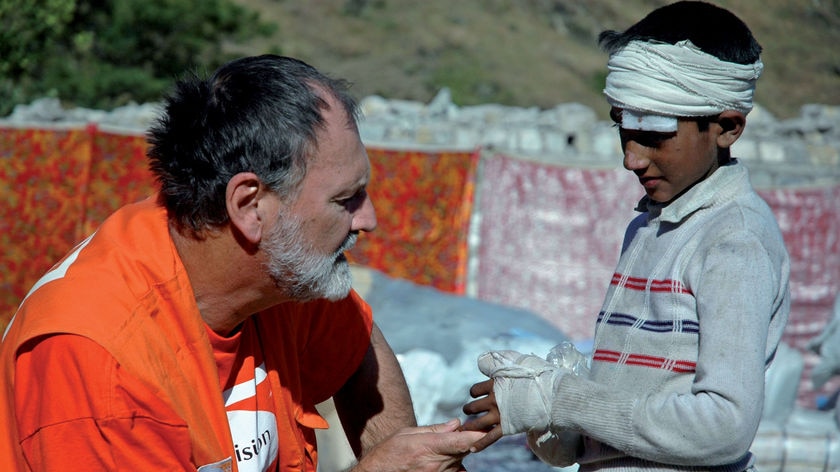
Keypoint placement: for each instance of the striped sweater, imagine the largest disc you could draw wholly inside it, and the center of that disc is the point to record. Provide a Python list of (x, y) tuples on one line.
[(691, 320)]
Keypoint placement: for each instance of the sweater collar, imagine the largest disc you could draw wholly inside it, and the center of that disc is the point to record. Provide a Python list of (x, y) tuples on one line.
[(727, 181)]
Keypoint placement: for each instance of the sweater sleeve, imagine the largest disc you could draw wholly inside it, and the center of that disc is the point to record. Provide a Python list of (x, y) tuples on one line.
[(74, 405), (736, 283)]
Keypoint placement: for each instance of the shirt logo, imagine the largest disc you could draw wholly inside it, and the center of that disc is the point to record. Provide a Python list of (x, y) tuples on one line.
[(224, 465), (254, 431)]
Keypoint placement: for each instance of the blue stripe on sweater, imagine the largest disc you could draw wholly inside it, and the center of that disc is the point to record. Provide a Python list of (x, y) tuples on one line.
[(620, 319)]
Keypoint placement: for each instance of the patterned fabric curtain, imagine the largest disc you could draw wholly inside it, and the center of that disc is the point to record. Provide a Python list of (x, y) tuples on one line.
[(423, 204), (44, 177)]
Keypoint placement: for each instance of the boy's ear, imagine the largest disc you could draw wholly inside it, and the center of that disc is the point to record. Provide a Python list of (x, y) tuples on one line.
[(242, 198), (732, 125)]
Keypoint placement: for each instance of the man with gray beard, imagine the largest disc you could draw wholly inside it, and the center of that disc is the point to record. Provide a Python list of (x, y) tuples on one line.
[(198, 329), (306, 274)]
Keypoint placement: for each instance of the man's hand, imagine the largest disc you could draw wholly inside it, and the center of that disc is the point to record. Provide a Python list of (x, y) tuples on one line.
[(490, 419), (436, 448)]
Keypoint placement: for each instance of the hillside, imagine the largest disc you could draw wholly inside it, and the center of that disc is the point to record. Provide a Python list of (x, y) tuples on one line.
[(530, 52)]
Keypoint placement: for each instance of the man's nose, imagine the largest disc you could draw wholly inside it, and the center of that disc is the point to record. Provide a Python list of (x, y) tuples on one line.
[(365, 217)]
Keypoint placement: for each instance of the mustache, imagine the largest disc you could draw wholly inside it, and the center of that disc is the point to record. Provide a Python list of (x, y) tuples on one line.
[(348, 243)]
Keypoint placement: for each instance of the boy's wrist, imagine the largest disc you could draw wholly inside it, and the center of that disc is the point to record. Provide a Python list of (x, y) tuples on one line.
[(527, 401), (523, 387)]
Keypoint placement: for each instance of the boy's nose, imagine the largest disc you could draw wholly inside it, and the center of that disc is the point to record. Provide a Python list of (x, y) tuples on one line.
[(634, 158)]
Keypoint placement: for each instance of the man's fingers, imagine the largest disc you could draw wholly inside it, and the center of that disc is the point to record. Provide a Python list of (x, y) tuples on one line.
[(453, 444), (436, 447), (460, 442), (494, 435), (449, 426)]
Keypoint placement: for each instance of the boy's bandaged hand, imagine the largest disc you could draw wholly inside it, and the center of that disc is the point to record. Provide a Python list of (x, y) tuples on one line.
[(524, 388)]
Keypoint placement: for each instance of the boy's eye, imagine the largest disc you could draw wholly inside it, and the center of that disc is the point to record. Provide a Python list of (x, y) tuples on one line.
[(651, 139)]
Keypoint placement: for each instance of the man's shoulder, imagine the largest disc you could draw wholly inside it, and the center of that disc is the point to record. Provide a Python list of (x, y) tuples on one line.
[(99, 288), (319, 320)]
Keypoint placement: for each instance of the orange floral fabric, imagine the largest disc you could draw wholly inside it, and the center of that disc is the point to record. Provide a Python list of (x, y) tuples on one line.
[(59, 184), (119, 174), (423, 205), (44, 178)]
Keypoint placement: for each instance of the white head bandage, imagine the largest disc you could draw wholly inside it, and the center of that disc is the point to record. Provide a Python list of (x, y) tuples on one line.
[(678, 80), (631, 119)]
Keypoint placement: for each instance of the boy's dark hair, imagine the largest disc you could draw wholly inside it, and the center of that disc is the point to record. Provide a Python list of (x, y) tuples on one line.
[(256, 114), (714, 30)]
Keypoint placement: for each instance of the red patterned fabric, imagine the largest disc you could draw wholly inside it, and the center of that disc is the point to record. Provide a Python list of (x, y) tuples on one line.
[(44, 178), (548, 239), (119, 174), (810, 222), (59, 184), (423, 204), (550, 236)]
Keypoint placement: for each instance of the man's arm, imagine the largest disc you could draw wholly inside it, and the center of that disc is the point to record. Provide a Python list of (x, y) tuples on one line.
[(378, 417), (375, 402), (76, 406)]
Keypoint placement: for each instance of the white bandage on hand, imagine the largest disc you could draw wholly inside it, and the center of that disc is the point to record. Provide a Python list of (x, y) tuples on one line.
[(524, 388)]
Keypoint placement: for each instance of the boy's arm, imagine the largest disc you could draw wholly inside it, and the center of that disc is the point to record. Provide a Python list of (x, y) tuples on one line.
[(716, 420)]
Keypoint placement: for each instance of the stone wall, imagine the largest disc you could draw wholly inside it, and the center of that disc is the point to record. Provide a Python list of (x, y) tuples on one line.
[(800, 151)]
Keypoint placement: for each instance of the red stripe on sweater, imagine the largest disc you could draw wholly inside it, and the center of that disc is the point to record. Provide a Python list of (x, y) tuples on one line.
[(638, 283), (644, 360)]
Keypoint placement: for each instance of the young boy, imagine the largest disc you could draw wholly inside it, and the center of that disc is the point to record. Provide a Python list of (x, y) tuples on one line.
[(699, 299)]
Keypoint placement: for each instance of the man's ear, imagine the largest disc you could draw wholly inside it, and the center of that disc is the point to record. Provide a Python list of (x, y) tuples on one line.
[(732, 126), (242, 198)]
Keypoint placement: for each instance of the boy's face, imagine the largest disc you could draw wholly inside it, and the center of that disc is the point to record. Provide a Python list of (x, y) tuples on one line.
[(668, 164)]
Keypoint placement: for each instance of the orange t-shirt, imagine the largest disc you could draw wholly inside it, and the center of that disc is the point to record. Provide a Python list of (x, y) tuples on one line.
[(248, 398), (108, 366)]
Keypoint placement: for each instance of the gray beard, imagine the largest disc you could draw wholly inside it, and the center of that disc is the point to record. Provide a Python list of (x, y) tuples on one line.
[(299, 271)]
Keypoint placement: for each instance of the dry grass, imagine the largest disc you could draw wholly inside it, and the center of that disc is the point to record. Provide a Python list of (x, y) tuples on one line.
[(530, 52)]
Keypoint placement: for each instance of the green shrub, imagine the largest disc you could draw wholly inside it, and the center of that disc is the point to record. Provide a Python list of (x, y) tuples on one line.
[(105, 53)]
